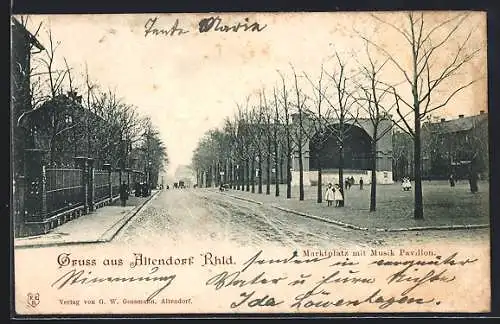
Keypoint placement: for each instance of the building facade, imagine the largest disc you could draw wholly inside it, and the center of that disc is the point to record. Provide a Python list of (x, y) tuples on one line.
[(457, 146), (23, 45), (357, 153)]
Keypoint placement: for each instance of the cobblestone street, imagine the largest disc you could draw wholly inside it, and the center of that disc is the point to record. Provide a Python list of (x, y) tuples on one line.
[(183, 216)]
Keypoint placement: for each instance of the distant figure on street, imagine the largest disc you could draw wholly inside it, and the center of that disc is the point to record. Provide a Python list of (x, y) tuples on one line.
[(452, 180), (473, 182), (352, 181), (145, 189), (137, 189), (337, 194), (360, 183), (406, 185), (347, 183), (123, 193), (329, 195)]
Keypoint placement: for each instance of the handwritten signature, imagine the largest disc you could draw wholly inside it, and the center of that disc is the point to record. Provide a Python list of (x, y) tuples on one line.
[(83, 277)]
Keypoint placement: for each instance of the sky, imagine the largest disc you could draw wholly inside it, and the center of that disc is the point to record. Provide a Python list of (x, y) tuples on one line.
[(189, 83)]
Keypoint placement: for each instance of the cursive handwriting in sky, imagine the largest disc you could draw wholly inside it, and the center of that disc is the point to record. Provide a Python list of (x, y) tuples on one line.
[(187, 71)]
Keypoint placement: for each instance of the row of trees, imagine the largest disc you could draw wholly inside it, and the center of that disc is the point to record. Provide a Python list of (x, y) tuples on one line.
[(275, 124), (73, 115)]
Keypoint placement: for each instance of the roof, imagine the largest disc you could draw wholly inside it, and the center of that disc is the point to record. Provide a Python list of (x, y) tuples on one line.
[(460, 124), (32, 39)]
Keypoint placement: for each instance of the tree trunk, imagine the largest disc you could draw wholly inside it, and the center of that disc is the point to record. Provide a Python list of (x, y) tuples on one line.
[(341, 174), (276, 171), (252, 174), (230, 170), (259, 167), (268, 169), (320, 180), (242, 175), (282, 176), (301, 172), (417, 169), (247, 175), (288, 175), (373, 185)]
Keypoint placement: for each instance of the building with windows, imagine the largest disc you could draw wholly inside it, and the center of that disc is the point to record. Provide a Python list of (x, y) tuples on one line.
[(457, 146)]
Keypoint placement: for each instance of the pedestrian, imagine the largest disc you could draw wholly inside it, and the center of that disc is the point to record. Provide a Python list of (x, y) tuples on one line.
[(352, 181), (330, 195), (473, 182), (346, 183), (337, 195), (145, 189), (360, 183), (137, 189), (452, 180), (123, 193)]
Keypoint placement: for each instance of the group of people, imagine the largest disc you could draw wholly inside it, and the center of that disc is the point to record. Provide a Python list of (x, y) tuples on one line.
[(333, 194), (406, 184), (349, 182), (141, 189)]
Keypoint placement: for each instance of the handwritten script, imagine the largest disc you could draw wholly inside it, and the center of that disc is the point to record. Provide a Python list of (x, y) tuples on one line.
[(153, 27), (310, 280), (343, 283)]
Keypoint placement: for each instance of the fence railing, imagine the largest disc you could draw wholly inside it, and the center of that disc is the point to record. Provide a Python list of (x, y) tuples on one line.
[(115, 182), (52, 195), (64, 190), (101, 185)]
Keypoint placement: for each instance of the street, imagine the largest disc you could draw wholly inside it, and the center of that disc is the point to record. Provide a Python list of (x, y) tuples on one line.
[(182, 216)]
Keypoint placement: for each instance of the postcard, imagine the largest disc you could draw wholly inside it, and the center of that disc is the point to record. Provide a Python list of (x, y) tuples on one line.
[(250, 163)]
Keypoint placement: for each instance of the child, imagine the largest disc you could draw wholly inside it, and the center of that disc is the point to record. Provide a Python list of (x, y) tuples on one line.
[(330, 194), (337, 195)]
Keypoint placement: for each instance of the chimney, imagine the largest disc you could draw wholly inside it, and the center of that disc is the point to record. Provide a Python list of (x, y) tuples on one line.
[(443, 119), (460, 116), (481, 112)]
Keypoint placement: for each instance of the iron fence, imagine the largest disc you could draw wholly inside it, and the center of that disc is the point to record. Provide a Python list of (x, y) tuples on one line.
[(64, 189), (101, 185), (115, 181)]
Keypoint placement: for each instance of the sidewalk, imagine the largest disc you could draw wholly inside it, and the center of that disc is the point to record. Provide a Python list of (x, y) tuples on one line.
[(445, 208), (99, 226)]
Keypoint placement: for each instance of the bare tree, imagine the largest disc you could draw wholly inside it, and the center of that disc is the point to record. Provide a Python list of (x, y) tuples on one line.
[(276, 143), (267, 118), (286, 108), (427, 76), (300, 133), (320, 121), (55, 76), (373, 102), (342, 103)]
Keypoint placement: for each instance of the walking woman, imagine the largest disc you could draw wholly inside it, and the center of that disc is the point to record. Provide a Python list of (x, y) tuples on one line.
[(330, 195)]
